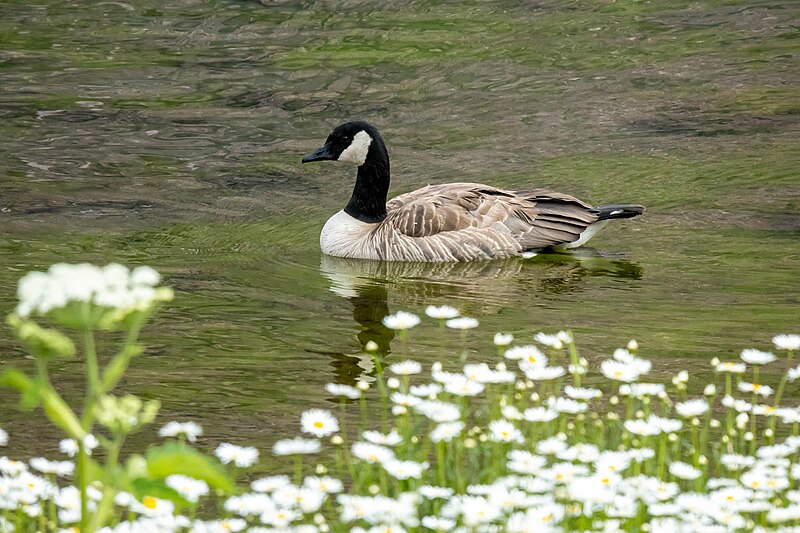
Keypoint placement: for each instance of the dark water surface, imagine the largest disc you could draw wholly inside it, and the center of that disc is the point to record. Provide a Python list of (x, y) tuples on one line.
[(170, 134)]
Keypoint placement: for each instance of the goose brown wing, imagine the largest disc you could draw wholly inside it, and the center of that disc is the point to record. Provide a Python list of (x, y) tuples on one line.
[(452, 207), (535, 218), (559, 218)]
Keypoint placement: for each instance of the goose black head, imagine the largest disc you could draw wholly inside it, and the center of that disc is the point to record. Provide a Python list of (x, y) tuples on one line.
[(352, 142)]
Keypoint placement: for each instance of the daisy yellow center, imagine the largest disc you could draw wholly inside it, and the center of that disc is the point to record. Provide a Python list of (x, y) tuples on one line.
[(730, 498), (547, 518), (227, 527), (504, 433), (606, 480), (149, 502), (318, 424), (618, 373), (532, 359), (756, 386)]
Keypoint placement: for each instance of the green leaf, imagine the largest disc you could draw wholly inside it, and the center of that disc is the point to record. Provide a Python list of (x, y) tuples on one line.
[(156, 488), (174, 458)]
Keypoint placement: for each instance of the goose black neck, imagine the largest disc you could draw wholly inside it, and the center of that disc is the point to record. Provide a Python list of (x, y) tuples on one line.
[(368, 202)]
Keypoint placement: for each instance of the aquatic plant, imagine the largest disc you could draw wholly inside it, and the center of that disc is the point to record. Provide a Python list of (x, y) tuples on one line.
[(513, 443)]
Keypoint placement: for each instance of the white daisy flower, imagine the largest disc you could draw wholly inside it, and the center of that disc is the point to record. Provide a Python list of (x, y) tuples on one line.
[(530, 354), (432, 492), (343, 390), (404, 469), (70, 446), (375, 437), (296, 446), (786, 342), (241, 456), (305, 499), (755, 388), (59, 468), (213, 526), (763, 480), (401, 320), (270, 483), (442, 312), (462, 323), (640, 390), (504, 431), (619, 371), (581, 393), (503, 339), (326, 484), (551, 446), (641, 427), (731, 367), (541, 373), (524, 462), (553, 341), (446, 431), (464, 387), (372, 453), (319, 422), (250, 504), (692, 408), (684, 470), (406, 368), (756, 357), (740, 406), (189, 488), (566, 405), (510, 412), (11, 467), (438, 524), (483, 374), (539, 414), (3, 437), (793, 374), (279, 517), (428, 390), (406, 400), (191, 430), (438, 411)]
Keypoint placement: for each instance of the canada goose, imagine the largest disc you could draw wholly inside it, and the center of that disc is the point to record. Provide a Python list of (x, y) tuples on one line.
[(450, 222)]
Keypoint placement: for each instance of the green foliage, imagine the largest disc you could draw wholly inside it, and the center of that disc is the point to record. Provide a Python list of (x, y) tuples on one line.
[(175, 458), (42, 342)]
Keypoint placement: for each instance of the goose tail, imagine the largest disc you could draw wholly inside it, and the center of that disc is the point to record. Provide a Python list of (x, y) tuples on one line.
[(607, 212)]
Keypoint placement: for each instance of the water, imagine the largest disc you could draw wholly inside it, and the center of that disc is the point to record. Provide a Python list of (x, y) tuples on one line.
[(170, 134)]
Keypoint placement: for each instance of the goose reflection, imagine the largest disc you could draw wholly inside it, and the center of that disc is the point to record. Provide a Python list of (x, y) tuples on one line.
[(477, 287)]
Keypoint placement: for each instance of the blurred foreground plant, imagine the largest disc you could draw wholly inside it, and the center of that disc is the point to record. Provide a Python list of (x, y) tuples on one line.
[(87, 299)]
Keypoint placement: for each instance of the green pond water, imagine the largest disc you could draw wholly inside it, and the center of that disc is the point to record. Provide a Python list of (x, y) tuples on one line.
[(170, 134)]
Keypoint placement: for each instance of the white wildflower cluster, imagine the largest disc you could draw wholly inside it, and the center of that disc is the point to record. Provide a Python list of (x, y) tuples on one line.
[(112, 286), (479, 447)]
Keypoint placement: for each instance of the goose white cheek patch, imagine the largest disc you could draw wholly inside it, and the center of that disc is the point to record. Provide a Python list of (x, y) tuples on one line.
[(357, 151)]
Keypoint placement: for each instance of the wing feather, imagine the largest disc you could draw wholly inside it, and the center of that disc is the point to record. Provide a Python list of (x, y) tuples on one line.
[(468, 220)]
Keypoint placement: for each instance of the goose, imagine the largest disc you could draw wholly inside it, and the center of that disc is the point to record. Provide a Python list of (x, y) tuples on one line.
[(450, 222)]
